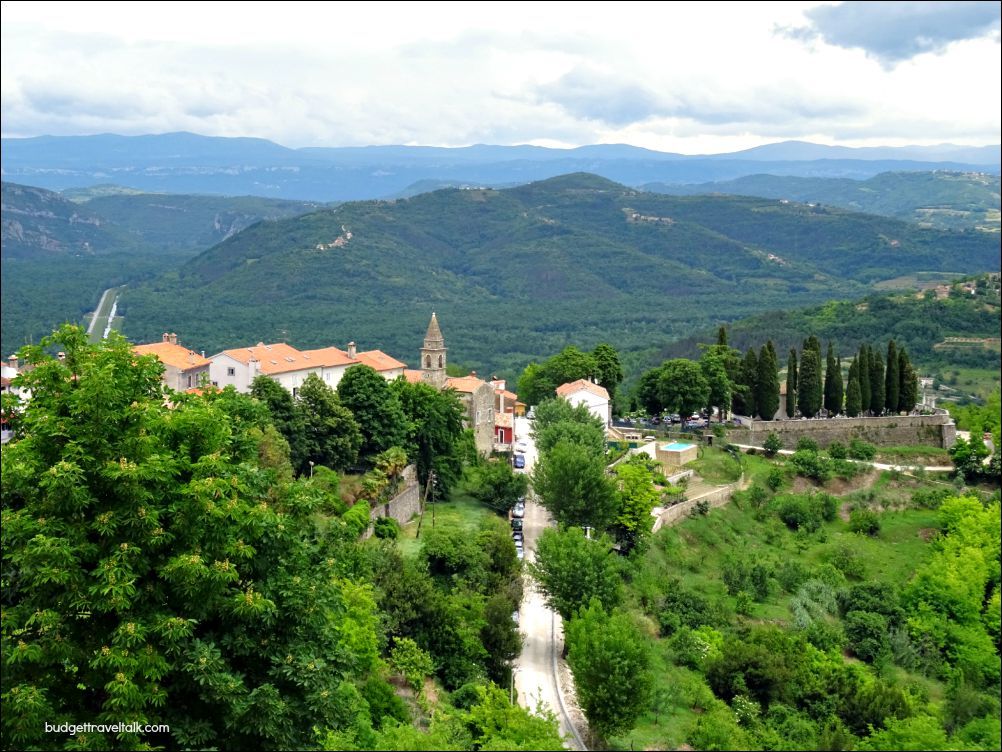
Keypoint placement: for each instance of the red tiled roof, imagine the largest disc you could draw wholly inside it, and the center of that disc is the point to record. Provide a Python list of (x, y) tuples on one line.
[(328, 357), (276, 358), (172, 355), (414, 377), (581, 384), (467, 384), (379, 361)]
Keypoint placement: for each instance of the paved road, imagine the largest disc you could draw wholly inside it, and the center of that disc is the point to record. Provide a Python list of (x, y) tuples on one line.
[(535, 681)]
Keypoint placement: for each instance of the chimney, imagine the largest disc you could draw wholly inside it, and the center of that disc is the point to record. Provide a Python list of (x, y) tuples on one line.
[(351, 350), (252, 369), (473, 374), (203, 353), (61, 355), (166, 337), (173, 338)]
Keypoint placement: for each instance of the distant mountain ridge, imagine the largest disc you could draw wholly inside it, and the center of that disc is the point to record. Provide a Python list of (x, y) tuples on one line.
[(190, 163), (517, 274)]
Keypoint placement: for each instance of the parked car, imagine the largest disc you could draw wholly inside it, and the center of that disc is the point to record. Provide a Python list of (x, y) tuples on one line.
[(515, 617), (520, 554), (517, 537), (519, 461), (516, 524), (521, 446), (518, 510)]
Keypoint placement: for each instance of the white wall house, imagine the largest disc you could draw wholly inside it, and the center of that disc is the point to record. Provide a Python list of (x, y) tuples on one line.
[(593, 396), (290, 367)]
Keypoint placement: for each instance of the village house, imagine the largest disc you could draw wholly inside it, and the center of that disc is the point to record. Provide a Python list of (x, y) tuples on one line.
[(590, 394), (183, 368)]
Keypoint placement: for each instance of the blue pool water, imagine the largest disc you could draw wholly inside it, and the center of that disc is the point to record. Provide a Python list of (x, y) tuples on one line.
[(676, 446)]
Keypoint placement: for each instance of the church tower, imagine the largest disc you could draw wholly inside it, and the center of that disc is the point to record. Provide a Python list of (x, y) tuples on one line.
[(433, 356)]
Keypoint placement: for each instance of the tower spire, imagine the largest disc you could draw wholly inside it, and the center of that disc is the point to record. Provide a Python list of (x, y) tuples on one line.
[(433, 355)]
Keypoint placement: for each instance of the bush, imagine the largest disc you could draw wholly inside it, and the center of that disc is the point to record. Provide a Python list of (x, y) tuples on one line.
[(861, 450), (775, 479), (386, 528), (837, 450), (864, 521), (772, 444), (867, 635), (812, 465), (792, 574), (701, 509), (807, 444), (845, 559), (931, 498)]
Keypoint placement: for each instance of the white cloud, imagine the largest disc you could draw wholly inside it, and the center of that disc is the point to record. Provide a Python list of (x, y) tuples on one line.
[(695, 78)]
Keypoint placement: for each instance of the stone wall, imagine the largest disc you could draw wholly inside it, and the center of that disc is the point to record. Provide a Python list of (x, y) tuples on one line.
[(405, 505), (670, 515), (933, 430)]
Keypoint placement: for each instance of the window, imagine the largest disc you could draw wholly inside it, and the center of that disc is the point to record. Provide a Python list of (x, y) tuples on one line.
[(427, 361), (439, 361), (189, 381), (295, 392), (231, 371)]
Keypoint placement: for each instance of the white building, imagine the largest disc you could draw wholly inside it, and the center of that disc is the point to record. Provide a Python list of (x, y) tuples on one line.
[(595, 397), (290, 367)]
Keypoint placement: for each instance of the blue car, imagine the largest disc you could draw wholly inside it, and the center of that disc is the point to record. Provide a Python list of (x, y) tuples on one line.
[(519, 461)]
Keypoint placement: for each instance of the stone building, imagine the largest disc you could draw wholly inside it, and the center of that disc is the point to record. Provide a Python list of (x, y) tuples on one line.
[(475, 394), (183, 368)]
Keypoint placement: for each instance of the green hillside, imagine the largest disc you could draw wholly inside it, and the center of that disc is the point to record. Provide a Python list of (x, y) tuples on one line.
[(60, 255), (186, 221), (941, 199), (961, 330), (517, 274)]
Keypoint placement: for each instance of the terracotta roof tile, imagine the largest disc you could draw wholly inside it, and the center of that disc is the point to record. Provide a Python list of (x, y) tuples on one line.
[(414, 377), (467, 384), (581, 384), (172, 355), (379, 361), (328, 357)]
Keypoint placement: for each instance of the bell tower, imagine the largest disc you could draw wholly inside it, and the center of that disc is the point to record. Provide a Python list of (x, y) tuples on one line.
[(433, 358)]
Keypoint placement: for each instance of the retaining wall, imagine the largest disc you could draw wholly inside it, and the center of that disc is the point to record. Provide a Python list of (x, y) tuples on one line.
[(404, 505), (674, 513), (933, 430)]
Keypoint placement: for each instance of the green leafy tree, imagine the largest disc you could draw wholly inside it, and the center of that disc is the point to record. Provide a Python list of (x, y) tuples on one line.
[(834, 391), (411, 662), (791, 383), (611, 662), (809, 393), (853, 397), (376, 408), (572, 484), (153, 572), (498, 486), (534, 385), (717, 363), (637, 497), (436, 440), (892, 378), (683, 388), (608, 369), (500, 636), (877, 396), (284, 415), (332, 436), (767, 384), (649, 392), (571, 569)]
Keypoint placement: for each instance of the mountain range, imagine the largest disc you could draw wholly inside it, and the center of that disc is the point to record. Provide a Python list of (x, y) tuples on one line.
[(190, 163), (519, 273)]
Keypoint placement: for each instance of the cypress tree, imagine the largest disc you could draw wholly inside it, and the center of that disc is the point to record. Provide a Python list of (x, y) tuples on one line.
[(809, 394), (863, 375), (767, 395), (747, 385), (791, 383), (853, 399), (832, 391), (892, 378), (908, 391), (722, 336), (876, 383)]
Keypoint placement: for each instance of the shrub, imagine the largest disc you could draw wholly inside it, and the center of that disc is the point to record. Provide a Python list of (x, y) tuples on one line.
[(772, 444), (775, 479), (845, 559), (807, 444), (386, 528), (867, 635), (931, 498), (861, 450), (812, 465), (864, 521), (791, 575), (701, 509), (837, 450)]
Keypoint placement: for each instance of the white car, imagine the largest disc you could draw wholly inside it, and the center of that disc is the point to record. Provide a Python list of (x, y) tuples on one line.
[(521, 446)]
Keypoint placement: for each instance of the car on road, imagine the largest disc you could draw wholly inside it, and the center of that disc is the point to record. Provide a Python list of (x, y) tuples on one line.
[(521, 446), (518, 510), (516, 525), (517, 538), (515, 617), (520, 554), (519, 461)]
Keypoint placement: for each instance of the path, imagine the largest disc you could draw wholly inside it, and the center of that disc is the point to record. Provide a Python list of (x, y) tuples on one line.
[(877, 465), (102, 319), (536, 669)]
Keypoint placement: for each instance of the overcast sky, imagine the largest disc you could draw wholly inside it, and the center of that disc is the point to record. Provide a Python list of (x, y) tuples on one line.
[(697, 77)]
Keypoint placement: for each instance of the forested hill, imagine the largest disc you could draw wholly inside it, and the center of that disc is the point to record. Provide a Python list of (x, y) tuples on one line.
[(939, 199), (517, 274), (41, 224), (920, 322)]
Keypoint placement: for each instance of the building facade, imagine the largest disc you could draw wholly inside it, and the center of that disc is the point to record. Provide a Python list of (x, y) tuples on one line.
[(183, 368)]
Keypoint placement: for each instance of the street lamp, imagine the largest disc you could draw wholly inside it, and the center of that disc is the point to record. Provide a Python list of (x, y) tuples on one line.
[(311, 468), (511, 689)]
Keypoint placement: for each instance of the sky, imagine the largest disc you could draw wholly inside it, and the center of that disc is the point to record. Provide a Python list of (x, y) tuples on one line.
[(694, 78)]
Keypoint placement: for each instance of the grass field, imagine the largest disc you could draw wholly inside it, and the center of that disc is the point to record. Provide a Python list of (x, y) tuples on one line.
[(461, 510)]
